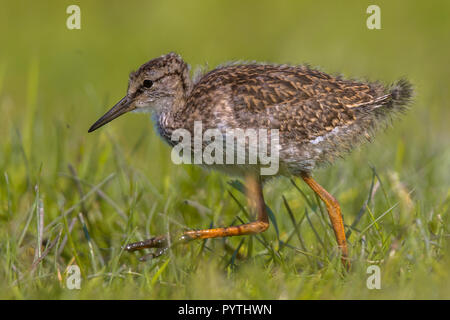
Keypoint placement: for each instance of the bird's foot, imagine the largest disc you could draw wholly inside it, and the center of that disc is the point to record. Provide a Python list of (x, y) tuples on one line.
[(160, 243)]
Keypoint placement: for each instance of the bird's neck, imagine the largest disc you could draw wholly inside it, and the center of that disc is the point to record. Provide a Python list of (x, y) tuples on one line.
[(165, 113), (165, 116)]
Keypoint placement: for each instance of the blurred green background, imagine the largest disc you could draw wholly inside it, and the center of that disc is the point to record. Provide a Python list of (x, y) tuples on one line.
[(55, 82)]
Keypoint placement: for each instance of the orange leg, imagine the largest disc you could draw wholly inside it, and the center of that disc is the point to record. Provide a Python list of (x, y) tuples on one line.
[(256, 201), (334, 212)]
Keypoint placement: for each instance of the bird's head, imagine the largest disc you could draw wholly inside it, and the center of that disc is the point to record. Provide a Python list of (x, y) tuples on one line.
[(154, 87)]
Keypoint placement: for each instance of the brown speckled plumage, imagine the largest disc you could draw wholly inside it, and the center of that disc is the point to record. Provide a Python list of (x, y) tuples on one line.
[(318, 117)]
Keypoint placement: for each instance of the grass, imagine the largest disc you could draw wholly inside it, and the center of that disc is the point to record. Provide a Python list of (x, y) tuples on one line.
[(68, 198)]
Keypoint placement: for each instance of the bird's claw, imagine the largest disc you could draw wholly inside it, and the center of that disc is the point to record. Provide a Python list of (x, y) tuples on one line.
[(153, 255), (160, 243)]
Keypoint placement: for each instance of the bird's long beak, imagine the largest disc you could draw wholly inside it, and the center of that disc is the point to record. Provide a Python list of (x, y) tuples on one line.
[(123, 106)]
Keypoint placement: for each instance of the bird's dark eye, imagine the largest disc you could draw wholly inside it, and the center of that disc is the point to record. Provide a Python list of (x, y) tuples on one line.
[(147, 83)]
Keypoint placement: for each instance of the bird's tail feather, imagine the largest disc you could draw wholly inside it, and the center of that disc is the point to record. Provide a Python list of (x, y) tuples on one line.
[(401, 93), (397, 98), (380, 112)]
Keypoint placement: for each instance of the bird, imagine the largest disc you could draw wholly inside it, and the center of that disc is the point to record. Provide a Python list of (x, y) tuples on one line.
[(317, 117)]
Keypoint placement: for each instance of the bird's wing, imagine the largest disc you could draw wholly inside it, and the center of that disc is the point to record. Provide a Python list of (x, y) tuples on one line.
[(300, 100)]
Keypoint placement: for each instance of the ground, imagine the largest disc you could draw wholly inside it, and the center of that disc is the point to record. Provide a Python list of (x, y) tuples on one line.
[(71, 198)]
